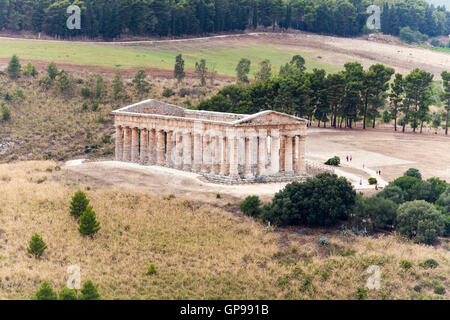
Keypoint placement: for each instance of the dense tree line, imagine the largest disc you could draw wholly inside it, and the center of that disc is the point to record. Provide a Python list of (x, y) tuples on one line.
[(341, 99), (111, 18)]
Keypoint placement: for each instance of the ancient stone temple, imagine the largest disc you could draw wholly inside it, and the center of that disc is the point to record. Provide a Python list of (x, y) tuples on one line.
[(224, 147)]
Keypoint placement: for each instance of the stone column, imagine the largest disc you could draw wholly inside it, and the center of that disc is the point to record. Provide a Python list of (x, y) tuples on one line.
[(127, 144), (119, 143), (135, 145), (223, 141), (251, 154), (198, 152), (179, 150), (233, 154), (187, 151), (160, 148), (262, 152), (207, 164), (152, 147), (144, 146), (288, 159), (282, 152), (275, 152), (215, 143), (301, 161), (169, 152)]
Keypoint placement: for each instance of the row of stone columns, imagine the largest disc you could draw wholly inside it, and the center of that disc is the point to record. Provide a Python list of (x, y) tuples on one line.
[(214, 153)]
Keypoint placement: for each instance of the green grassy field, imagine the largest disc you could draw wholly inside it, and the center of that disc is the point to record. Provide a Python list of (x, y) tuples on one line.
[(447, 50), (224, 60)]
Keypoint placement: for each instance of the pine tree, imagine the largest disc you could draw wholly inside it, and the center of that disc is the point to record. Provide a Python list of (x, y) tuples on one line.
[(88, 223), (79, 204), (264, 72), (67, 294), (37, 246), (89, 291), (142, 86), (118, 85), (201, 70), (45, 292), (242, 70), (30, 70), (14, 67), (52, 71), (178, 72)]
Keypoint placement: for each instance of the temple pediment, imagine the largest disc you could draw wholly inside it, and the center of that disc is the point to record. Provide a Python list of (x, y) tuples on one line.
[(270, 118)]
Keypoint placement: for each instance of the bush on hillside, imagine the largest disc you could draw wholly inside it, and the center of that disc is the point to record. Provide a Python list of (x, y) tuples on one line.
[(320, 201), (88, 223), (79, 204), (413, 173), (375, 213), (37, 246), (420, 220), (45, 292), (335, 161), (392, 193), (251, 206), (89, 291)]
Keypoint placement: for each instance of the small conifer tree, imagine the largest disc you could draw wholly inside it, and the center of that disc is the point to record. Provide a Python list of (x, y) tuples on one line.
[(46, 292), (88, 223), (79, 204), (14, 67), (67, 294), (37, 246), (89, 291), (178, 72), (52, 71)]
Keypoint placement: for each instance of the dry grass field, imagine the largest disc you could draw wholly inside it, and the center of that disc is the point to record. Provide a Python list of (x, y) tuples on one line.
[(200, 252)]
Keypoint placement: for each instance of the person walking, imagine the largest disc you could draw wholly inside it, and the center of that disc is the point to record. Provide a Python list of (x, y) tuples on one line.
[(347, 158)]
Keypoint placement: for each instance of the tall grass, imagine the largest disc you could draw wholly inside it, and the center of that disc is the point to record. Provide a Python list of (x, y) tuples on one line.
[(199, 252)]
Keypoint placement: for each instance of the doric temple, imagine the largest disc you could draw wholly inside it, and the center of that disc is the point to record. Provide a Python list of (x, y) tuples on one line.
[(224, 147)]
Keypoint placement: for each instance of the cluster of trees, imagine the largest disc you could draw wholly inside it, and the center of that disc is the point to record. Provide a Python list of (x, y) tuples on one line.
[(417, 15), (340, 99), (88, 292), (415, 208), (111, 18)]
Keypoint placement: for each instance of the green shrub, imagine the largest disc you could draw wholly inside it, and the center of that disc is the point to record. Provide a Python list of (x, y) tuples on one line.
[(86, 93), (413, 173), (392, 193), (37, 246), (435, 42), (79, 204), (409, 185), (88, 223), (439, 289), (324, 241), (30, 70), (67, 294), (95, 106), (167, 93), (52, 71), (251, 206), (89, 291), (420, 220), (372, 181), (429, 264), (14, 67), (151, 270), (361, 293), (335, 161), (6, 113), (45, 292), (375, 213), (405, 264), (320, 201)]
